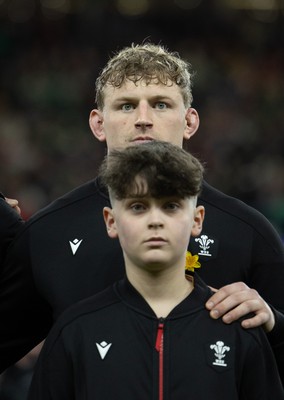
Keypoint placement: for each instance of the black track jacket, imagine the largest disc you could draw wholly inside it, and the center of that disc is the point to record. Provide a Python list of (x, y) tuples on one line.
[(63, 254), (113, 347)]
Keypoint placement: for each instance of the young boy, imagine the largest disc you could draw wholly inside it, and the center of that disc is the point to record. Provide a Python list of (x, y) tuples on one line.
[(149, 335)]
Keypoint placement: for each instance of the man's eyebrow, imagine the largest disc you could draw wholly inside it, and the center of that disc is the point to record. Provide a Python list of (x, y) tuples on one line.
[(124, 99), (129, 98)]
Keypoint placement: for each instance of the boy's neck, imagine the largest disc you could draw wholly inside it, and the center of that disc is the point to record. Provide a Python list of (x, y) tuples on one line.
[(163, 291)]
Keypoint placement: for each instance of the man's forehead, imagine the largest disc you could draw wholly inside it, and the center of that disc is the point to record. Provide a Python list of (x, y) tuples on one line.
[(129, 88)]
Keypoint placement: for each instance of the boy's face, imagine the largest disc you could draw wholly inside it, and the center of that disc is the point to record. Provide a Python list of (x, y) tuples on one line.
[(154, 233), (135, 113)]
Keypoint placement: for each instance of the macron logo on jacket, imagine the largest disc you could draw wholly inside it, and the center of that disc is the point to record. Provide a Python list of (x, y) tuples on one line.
[(74, 244), (103, 348)]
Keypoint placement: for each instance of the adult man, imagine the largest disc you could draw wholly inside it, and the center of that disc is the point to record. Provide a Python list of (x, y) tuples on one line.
[(143, 94)]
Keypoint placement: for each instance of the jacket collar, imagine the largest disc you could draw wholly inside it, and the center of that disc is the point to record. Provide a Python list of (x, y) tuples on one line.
[(194, 302)]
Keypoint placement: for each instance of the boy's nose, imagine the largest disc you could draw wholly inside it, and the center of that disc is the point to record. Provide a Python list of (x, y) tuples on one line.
[(155, 219)]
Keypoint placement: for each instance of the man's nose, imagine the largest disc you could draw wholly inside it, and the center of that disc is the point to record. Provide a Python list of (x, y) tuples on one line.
[(144, 117)]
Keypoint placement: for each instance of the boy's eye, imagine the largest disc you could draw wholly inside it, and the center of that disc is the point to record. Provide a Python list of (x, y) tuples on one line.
[(137, 207), (172, 206), (127, 107)]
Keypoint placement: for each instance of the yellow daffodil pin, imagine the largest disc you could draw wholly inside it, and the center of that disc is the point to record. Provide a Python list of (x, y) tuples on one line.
[(191, 262)]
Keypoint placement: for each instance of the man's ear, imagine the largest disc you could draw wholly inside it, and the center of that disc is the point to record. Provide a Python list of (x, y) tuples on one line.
[(110, 222), (198, 221), (192, 123), (96, 125)]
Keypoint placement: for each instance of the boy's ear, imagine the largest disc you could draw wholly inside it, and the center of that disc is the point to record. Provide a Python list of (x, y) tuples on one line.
[(110, 222), (198, 221), (96, 125)]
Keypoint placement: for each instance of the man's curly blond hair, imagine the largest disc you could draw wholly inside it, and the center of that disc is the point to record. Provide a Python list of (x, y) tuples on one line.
[(147, 62)]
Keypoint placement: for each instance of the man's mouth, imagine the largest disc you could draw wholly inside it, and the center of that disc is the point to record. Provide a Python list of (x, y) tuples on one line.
[(142, 139)]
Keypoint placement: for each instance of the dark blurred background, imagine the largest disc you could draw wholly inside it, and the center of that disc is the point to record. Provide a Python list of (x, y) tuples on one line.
[(52, 50)]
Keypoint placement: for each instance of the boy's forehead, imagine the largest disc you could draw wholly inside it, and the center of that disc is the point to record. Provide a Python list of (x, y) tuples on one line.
[(138, 187)]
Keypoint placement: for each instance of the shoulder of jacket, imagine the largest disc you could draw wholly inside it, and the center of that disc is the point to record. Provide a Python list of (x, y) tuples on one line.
[(91, 305), (80, 194), (212, 197)]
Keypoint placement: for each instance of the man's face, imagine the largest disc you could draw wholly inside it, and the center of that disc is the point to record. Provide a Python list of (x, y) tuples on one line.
[(135, 113)]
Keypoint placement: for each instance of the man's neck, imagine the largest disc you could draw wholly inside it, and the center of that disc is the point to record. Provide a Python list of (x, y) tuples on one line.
[(163, 291)]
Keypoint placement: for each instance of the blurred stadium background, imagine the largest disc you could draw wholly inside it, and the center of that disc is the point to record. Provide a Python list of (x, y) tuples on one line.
[(52, 50)]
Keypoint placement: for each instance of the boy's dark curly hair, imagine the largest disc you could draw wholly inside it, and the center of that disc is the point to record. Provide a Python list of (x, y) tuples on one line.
[(165, 169)]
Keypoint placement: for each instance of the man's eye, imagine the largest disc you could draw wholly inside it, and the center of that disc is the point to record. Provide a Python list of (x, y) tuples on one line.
[(161, 105), (127, 107)]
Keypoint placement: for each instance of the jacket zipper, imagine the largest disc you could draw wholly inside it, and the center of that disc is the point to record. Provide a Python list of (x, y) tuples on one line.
[(160, 348)]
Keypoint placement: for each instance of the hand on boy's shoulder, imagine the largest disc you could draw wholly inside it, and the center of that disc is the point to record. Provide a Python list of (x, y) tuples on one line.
[(237, 300)]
